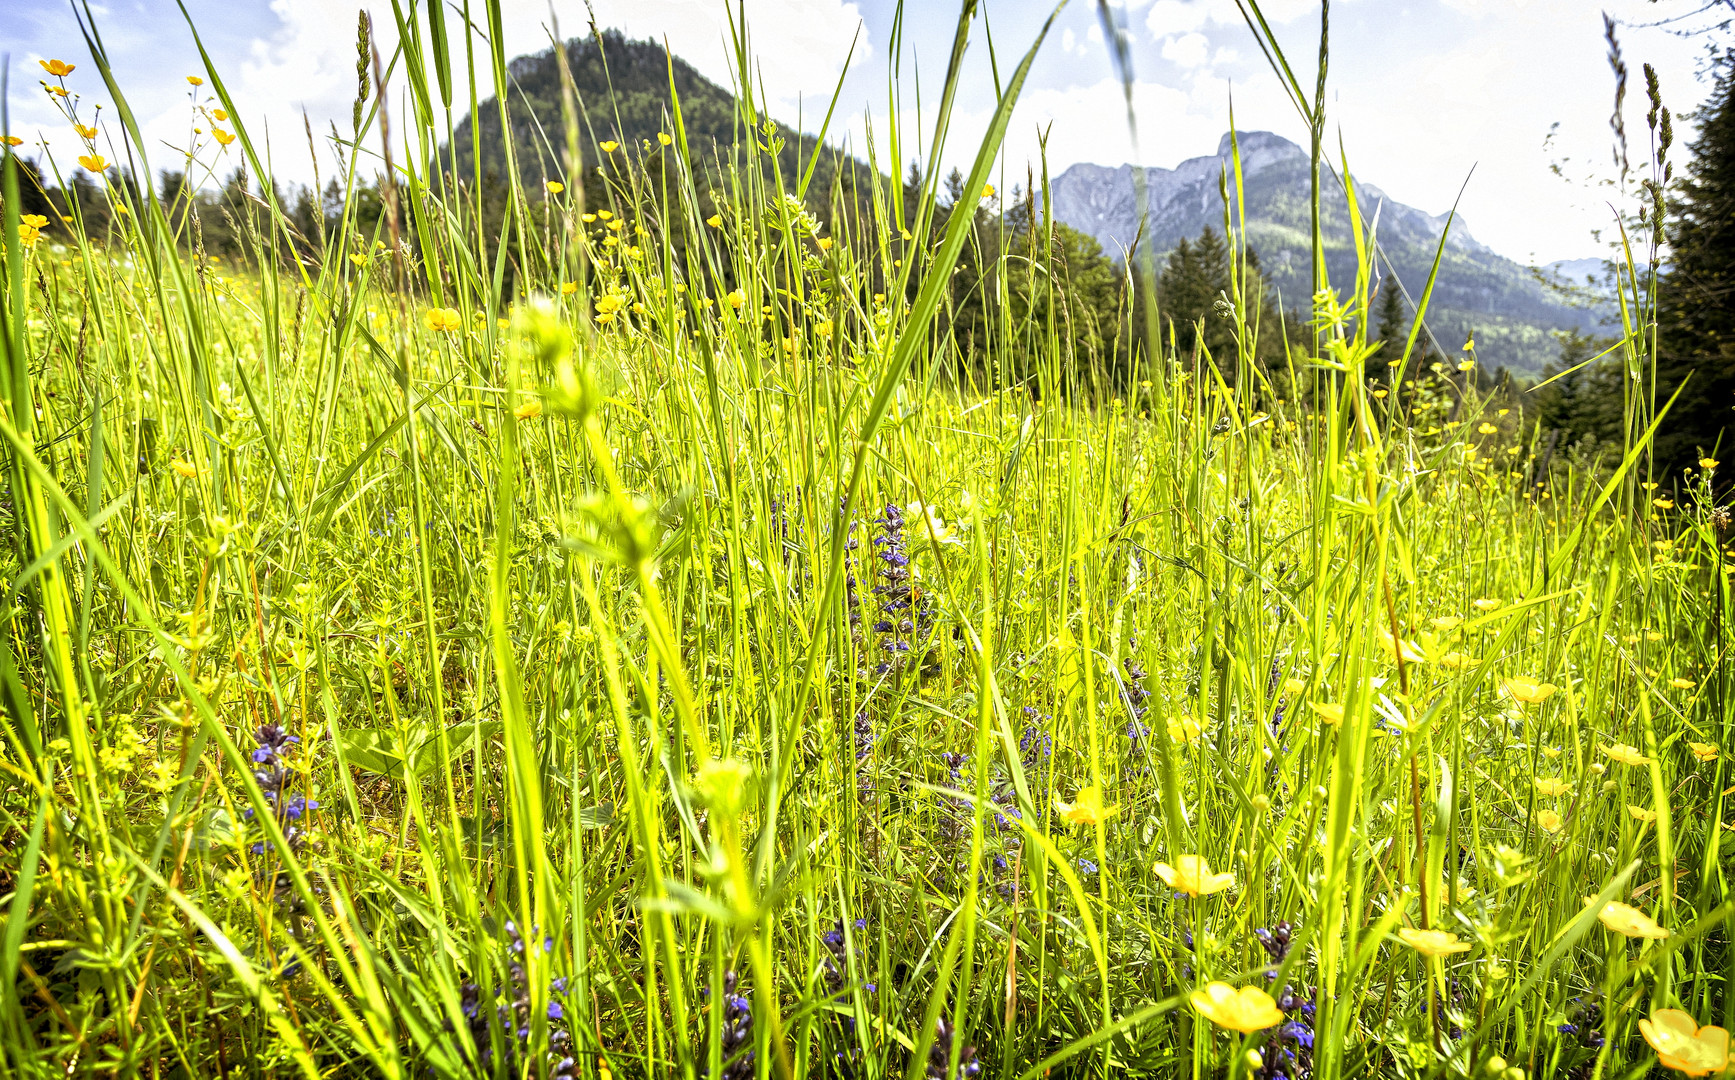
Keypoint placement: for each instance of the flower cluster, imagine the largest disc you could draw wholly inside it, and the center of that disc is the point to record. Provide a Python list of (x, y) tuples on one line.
[(896, 597), (940, 1055), (512, 1012), (737, 1031), (275, 779), (1584, 1022), (1289, 1049)]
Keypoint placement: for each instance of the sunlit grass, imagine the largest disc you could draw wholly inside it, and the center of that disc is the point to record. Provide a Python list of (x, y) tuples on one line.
[(639, 643)]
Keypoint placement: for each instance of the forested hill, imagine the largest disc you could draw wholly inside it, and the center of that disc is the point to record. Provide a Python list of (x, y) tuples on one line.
[(623, 96), (1512, 313)]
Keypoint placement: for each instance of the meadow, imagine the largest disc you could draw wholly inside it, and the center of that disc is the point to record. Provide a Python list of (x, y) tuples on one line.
[(638, 640)]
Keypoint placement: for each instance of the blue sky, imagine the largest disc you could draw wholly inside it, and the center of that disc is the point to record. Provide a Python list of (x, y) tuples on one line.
[(1419, 90)]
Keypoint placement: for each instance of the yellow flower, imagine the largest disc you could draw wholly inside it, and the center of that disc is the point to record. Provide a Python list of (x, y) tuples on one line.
[(1641, 814), (443, 320), (1456, 659), (94, 162), (56, 68), (1445, 623), (85, 131), (1548, 821), (1663, 504), (665, 138), (58, 91), (1551, 786), (1486, 428), (1192, 875), (1681, 684), (220, 114), (715, 221), (567, 288), (1703, 751), (1486, 603), (609, 304), (824, 243), (1432, 942), (610, 146), (1626, 755), (1294, 685), (222, 137), (1466, 365), (195, 80), (184, 469), (605, 214), (530, 410), (12, 140), (1330, 712), (1246, 1010), (1528, 691), (35, 221), (987, 191), (358, 258), (736, 299), (1681, 1044), (1707, 463), (1184, 730), (1088, 810)]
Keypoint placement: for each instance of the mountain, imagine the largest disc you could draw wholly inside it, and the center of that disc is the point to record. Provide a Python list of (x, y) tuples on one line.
[(623, 95), (1512, 312)]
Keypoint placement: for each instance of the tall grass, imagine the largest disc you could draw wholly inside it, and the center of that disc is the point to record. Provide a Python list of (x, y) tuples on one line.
[(641, 643)]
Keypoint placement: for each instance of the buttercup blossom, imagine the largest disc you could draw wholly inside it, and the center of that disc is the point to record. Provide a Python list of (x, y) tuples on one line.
[(1192, 875), (1681, 1044), (94, 162), (1626, 755), (1432, 942), (1703, 751), (1548, 821), (1329, 712), (1088, 809), (56, 68), (1641, 814), (1551, 786), (1528, 691), (1628, 920), (1246, 1010)]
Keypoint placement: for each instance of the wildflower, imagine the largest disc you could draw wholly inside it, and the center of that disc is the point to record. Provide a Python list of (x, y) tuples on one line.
[(736, 299), (57, 91), (824, 243), (1294, 686), (940, 1055), (1628, 920), (1707, 463), (85, 131), (56, 68), (1548, 821), (530, 410), (1663, 504), (443, 320), (1088, 810), (715, 221), (12, 140), (1466, 365), (1552, 786), (1528, 691), (358, 258), (219, 114), (1626, 755), (1486, 428), (665, 138), (223, 137), (555, 187), (609, 146), (987, 191), (184, 469), (1486, 603), (1192, 875), (1456, 660), (1681, 1044), (567, 288), (34, 221), (1432, 943), (94, 162), (1641, 814), (1681, 684), (1185, 730), (931, 525), (194, 80), (1703, 751), (1246, 1010), (1330, 712)]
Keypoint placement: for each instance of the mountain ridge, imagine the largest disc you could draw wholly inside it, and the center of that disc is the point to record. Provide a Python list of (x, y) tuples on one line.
[(1514, 315)]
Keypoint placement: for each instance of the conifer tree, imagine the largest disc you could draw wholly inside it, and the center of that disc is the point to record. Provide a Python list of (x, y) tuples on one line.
[(1696, 298)]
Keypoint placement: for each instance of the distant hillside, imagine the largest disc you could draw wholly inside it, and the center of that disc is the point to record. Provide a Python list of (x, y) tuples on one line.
[(1512, 313), (623, 95)]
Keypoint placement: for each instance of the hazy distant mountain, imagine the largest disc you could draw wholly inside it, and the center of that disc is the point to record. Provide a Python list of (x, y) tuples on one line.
[(1512, 313)]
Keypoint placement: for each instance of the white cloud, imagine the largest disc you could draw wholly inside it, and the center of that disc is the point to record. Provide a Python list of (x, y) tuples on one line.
[(1187, 50)]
